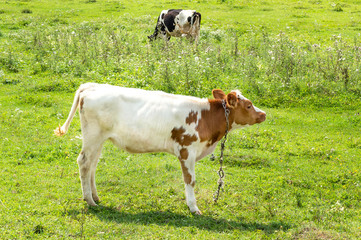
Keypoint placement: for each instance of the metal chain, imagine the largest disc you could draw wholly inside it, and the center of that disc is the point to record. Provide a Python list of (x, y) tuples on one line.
[(221, 173)]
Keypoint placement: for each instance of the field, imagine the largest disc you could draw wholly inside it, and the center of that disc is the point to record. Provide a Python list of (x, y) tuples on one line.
[(295, 176)]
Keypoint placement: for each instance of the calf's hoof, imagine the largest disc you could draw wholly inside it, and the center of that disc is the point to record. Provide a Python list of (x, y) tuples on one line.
[(197, 212), (90, 202), (96, 199)]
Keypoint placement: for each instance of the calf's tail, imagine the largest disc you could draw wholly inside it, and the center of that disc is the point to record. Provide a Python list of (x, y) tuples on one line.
[(61, 130)]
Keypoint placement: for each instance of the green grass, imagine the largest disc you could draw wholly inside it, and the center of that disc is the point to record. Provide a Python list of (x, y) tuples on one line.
[(295, 176)]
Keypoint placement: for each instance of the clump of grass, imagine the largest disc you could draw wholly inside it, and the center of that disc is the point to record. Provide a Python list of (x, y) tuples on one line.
[(28, 11), (10, 61), (38, 229), (337, 7)]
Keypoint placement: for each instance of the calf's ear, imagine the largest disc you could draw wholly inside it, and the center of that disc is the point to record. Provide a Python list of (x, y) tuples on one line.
[(232, 99), (218, 94)]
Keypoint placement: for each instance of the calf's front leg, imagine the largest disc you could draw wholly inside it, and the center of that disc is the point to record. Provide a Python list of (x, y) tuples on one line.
[(187, 162)]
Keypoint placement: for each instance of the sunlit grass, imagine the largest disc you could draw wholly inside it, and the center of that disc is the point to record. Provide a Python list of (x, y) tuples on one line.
[(295, 176)]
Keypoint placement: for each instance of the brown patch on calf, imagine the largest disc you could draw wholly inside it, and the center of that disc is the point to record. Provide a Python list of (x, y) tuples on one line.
[(186, 175), (81, 104), (192, 117), (183, 154), (215, 137), (212, 124), (181, 138)]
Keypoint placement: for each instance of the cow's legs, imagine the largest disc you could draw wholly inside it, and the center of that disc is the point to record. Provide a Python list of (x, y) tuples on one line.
[(188, 169), (87, 161)]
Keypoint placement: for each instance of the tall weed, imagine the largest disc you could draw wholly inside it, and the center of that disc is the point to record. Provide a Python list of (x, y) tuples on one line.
[(274, 69)]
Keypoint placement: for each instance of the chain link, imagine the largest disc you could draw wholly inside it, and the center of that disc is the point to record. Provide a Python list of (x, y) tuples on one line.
[(220, 172)]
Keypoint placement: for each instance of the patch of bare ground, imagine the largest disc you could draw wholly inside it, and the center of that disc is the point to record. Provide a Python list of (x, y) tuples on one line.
[(312, 233)]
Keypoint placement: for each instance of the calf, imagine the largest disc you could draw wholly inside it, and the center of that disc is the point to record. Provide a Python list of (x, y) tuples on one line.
[(141, 121), (177, 23)]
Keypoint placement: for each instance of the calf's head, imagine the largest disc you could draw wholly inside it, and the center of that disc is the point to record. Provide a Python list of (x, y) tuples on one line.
[(242, 110)]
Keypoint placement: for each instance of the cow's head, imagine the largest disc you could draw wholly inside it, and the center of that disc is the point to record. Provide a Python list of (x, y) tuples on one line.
[(244, 112)]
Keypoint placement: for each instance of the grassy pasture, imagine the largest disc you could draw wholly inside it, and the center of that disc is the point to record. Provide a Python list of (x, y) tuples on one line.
[(296, 176)]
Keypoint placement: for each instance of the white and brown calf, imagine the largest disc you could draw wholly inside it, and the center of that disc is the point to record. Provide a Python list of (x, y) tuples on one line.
[(141, 121), (177, 23)]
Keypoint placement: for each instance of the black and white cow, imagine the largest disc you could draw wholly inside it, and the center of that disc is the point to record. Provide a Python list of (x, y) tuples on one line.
[(177, 23)]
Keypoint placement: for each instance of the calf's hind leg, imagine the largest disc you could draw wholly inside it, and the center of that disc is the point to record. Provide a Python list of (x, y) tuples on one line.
[(92, 175), (87, 161)]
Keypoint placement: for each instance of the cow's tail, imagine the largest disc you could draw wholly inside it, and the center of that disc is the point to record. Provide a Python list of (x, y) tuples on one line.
[(61, 130)]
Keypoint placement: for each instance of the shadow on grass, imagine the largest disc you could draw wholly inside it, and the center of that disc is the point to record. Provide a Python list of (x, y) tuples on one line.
[(168, 218)]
